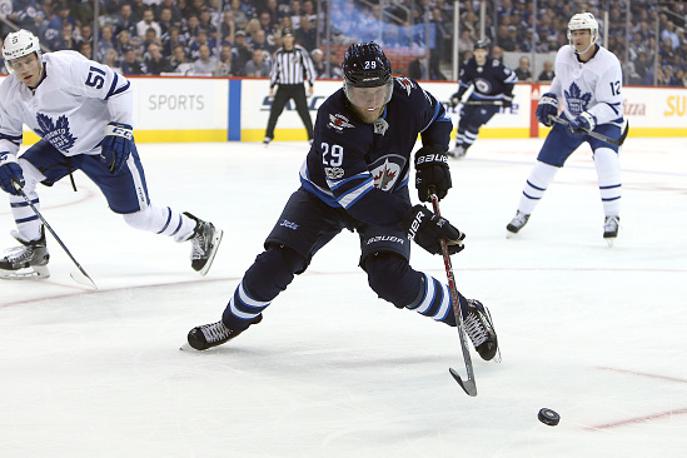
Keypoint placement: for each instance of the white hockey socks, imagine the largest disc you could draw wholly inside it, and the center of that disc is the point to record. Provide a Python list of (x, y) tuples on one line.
[(164, 221), (540, 178), (608, 170)]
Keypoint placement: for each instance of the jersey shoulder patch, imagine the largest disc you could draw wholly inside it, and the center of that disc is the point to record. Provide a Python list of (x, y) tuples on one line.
[(406, 84)]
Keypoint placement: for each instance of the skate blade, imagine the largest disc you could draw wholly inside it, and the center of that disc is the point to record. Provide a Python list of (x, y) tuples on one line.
[(82, 279), (186, 347), (28, 273), (610, 241), (216, 240), (510, 235)]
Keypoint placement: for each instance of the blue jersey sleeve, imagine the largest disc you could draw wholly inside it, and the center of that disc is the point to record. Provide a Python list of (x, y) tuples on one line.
[(435, 125)]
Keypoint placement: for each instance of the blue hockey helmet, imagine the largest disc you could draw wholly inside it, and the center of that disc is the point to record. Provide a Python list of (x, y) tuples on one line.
[(367, 75)]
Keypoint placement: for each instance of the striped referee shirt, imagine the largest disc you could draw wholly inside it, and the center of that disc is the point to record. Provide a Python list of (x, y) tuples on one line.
[(292, 67)]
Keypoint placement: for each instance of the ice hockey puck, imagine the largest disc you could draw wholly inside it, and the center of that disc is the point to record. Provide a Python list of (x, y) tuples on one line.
[(549, 417)]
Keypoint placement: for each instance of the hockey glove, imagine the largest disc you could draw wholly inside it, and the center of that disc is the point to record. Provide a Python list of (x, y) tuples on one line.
[(10, 173), (507, 101), (428, 229), (548, 106), (455, 100), (117, 145), (583, 123), (432, 175)]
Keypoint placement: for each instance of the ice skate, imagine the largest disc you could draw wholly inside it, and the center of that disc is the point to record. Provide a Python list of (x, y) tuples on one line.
[(266, 141), (517, 223), (480, 328), (25, 262), (457, 152), (611, 226), (213, 334), (205, 242)]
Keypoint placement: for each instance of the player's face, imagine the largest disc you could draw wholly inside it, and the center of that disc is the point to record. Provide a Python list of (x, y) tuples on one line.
[(581, 39), (28, 69), (481, 56), (369, 101)]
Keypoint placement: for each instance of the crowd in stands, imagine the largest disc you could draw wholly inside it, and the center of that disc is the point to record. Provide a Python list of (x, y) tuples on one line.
[(238, 37)]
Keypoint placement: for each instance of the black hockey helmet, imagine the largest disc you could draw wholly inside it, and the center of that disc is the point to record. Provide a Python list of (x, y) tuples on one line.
[(365, 65), (367, 75), (484, 43)]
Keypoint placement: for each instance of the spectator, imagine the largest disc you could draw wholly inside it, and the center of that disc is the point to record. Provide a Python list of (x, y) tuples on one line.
[(319, 63), (125, 20), (147, 23), (205, 64), (154, 62), (86, 49), (166, 21), (465, 42), (123, 42), (225, 66), (306, 36), (257, 66), (131, 64), (105, 43), (242, 53), (523, 71), (497, 53), (112, 60), (547, 74), (172, 40), (179, 62)]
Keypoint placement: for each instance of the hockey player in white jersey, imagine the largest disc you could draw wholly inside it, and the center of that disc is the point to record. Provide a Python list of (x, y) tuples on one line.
[(588, 82), (83, 112)]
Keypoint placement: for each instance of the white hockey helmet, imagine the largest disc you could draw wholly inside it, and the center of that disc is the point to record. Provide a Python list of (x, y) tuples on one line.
[(583, 21), (19, 44)]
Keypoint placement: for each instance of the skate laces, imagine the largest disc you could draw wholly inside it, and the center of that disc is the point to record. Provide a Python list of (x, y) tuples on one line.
[(215, 332), (18, 254), (475, 329), (198, 243), (519, 219)]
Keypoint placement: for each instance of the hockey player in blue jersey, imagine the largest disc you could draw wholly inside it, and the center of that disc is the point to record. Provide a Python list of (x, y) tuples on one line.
[(493, 83), (355, 177)]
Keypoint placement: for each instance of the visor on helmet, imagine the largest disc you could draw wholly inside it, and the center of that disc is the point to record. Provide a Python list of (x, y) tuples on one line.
[(369, 97)]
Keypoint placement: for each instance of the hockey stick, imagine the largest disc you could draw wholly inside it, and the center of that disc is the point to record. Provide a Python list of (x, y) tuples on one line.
[(469, 385), (86, 279), (597, 135), (498, 103)]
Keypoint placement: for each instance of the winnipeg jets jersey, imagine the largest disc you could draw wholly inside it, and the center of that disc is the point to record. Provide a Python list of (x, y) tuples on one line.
[(492, 80), (363, 168), (593, 86), (70, 107)]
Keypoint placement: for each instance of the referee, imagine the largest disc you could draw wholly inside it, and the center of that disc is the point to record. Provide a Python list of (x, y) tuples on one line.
[(290, 68)]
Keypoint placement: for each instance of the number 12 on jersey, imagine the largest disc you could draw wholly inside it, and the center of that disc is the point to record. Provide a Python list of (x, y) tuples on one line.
[(335, 159)]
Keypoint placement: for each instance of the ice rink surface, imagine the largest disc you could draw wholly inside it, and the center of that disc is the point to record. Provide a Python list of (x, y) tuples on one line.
[(597, 334)]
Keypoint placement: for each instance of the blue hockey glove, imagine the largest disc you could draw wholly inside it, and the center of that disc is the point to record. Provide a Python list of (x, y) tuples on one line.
[(548, 106), (10, 173), (428, 229), (432, 175), (117, 145), (584, 123)]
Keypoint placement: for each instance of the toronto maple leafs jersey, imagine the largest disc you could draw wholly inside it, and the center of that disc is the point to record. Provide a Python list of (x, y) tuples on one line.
[(593, 86), (492, 80), (70, 107), (364, 168)]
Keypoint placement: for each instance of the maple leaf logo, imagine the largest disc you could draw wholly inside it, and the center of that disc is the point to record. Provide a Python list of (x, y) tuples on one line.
[(58, 134), (577, 101)]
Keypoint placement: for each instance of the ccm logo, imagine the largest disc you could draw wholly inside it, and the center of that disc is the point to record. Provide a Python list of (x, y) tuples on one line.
[(432, 158)]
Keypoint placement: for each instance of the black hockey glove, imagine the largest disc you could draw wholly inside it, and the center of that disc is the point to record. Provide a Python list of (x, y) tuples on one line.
[(507, 101), (454, 101), (427, 229), (432, 175)]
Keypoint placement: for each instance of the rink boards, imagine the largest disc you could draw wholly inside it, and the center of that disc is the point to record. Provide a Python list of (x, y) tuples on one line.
[(197, 109)]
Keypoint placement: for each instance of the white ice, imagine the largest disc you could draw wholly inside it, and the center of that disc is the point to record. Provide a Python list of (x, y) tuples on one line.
[(598, 334)]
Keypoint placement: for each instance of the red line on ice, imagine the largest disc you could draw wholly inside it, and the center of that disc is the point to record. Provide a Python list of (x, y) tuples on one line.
[(644, 419)]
